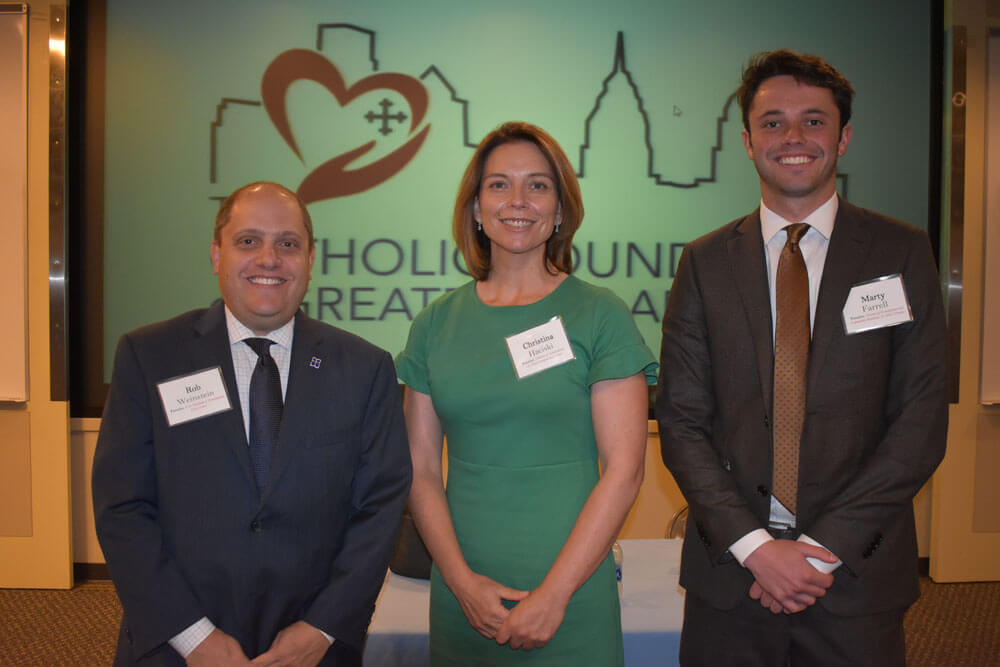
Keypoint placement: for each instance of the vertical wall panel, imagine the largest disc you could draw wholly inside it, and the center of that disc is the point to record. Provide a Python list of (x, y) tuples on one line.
[(13, 200)]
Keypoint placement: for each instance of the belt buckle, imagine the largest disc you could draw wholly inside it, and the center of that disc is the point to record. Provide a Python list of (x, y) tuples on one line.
[(781, 529)]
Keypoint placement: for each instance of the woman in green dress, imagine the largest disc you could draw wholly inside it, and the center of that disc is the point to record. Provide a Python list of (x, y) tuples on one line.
[(538, 380)]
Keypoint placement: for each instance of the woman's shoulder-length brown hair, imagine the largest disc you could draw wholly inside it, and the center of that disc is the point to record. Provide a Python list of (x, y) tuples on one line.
[(474, 244)]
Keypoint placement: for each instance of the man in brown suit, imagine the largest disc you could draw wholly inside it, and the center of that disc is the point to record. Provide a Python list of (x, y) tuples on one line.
[(801, 546)]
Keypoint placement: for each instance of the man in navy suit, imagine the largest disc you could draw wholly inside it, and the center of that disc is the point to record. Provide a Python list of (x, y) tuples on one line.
[(224, 549), (816, 566)]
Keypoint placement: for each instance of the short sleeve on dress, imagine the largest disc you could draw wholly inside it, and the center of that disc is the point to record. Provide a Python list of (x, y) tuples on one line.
[(411, 363), (619, 350)]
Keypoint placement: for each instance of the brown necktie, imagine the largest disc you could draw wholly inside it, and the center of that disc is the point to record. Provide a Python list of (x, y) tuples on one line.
[(791, 363)]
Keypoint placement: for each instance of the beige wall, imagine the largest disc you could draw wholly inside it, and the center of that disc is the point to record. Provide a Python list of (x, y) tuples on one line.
[(83, 443), (36, 434), (966, 483)]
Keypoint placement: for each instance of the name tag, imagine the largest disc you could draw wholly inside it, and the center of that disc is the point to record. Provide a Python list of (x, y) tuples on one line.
[(539, 348), (194, 396), (877, 303)]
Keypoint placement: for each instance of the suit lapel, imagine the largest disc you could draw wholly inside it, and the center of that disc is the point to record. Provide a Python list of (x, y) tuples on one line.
[(848, 249), (212, 348), (304, 385), (749, 270)]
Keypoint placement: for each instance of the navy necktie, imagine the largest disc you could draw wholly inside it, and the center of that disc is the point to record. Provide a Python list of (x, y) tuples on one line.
[(265, 409)]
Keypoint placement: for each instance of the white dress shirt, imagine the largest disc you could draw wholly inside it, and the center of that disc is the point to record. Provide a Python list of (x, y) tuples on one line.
[(245, 359), (813, 245)]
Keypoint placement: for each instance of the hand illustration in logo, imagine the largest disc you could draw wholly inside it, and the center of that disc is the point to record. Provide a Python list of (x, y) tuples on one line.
[(333, 178)]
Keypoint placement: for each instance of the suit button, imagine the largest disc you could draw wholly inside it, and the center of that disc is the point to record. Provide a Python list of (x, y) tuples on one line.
[(727, 464), (762, 490), (256, 526)]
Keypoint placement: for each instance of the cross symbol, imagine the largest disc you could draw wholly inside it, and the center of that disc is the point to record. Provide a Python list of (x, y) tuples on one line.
[(385, 116)]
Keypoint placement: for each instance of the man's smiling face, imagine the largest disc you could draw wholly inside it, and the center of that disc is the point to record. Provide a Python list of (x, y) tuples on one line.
[(794, 141), (263, 259)]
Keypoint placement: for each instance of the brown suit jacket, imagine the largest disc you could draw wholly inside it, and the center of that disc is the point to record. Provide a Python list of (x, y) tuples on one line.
[(876, 412)]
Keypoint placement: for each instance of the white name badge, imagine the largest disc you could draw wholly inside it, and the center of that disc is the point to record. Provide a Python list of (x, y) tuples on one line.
[(876, 304), (194, 396), (540, 348)]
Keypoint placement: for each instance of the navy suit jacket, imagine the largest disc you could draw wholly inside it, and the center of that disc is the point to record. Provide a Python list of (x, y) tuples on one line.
[(186, 533), (876, 412)]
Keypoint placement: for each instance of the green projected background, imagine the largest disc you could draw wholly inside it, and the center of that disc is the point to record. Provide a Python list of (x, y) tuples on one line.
[(392, 96)]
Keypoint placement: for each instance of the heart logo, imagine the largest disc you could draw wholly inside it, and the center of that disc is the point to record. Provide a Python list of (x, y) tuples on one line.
[(333, 178)]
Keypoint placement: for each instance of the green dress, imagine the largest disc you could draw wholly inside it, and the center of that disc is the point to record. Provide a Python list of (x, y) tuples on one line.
[(522, 458)]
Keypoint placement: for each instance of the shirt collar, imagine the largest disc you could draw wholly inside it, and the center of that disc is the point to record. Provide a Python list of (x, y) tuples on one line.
[(821, 219), (239, 331)]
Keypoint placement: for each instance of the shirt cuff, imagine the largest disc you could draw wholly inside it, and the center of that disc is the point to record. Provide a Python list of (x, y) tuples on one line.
[(821, 565), (746, 545), (186, 641)]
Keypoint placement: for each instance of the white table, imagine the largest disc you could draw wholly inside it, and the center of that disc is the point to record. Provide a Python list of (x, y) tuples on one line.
[(652, 610)]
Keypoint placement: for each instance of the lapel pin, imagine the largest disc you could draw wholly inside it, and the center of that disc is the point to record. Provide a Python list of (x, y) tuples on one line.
[(315, 362)]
